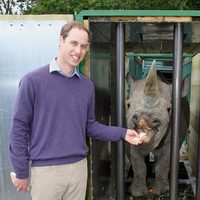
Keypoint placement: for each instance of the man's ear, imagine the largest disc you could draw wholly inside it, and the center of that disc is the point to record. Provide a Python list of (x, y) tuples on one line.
[(61, 40)]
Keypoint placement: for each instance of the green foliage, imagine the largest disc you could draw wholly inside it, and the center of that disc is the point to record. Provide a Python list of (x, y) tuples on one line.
[(47, 7), (24, 5), (72, 6), (6, 6), (194, 4)]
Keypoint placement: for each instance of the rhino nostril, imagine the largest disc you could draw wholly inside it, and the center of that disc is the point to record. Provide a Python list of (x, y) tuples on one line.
[(134, 118), (156, 122)]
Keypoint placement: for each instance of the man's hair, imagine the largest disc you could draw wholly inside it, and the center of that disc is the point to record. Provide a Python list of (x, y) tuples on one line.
[(74, 24)]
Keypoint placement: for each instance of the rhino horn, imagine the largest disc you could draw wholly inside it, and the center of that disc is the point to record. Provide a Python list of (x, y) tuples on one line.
[(151, 93)]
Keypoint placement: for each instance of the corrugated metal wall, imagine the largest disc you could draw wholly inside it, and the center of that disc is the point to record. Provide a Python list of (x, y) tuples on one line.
[(26, 43)]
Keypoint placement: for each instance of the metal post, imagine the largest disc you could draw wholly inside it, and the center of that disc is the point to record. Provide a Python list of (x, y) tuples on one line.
[(120, 74), (198, 168), (176, 100)]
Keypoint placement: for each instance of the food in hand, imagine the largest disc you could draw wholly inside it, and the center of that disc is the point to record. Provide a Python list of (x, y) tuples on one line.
[(136, 139), (140, 138)]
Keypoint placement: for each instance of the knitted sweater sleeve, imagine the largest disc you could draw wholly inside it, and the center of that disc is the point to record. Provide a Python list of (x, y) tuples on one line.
[(100, 131), (20, 129)]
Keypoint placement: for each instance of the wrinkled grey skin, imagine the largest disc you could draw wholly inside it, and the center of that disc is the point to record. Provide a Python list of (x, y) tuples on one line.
[(149, 110)]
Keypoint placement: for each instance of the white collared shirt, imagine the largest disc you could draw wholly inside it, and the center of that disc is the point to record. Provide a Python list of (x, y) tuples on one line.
[(55, 67)]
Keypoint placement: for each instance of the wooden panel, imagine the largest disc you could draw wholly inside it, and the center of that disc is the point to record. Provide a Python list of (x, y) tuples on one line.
[(124, 18), (145, 19), (37, 17), (150, 19), (177, 19), (87, 56)]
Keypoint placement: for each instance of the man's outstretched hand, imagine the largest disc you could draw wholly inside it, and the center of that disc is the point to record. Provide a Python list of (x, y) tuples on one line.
[(133, 137)]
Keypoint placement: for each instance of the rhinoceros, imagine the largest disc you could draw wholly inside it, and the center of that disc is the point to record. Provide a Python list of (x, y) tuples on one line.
[(148, 109)]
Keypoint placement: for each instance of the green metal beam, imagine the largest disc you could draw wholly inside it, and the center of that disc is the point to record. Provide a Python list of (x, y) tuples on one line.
[(167, 55), (167, 13)]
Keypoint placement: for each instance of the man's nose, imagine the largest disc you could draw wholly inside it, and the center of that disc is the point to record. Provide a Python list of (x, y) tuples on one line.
[(78, 49)]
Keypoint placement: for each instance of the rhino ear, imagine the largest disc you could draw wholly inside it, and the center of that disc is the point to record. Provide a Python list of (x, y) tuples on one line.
[(185, 86), (129, 78)]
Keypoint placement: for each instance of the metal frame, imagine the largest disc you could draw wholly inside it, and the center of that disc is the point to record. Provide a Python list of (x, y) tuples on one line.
[(176, 101), (120, 74), (198, 170), (127, 16), (127, 13)]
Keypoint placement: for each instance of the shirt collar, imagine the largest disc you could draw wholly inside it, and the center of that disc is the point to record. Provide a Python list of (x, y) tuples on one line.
[(53, 66)]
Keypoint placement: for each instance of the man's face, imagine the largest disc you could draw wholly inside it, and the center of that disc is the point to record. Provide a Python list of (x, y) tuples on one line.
[(73, 48)]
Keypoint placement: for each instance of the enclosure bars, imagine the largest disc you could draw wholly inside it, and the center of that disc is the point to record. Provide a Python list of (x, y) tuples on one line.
[(198, 167), (120, 74), (176, 99)]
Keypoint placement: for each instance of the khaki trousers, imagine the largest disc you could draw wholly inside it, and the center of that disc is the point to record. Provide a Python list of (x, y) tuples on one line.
[(60, 182)]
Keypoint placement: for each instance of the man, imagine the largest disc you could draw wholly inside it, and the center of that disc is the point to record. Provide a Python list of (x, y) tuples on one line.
[(54, 112)]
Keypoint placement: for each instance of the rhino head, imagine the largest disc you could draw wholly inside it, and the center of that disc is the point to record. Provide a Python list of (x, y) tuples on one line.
[(148, 108)]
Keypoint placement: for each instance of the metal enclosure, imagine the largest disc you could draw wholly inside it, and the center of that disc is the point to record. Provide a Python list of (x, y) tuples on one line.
[(26, 43), (102, 153), (148, 35)]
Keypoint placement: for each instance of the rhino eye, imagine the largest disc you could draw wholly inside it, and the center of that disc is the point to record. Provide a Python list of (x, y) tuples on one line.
[(169, 110)]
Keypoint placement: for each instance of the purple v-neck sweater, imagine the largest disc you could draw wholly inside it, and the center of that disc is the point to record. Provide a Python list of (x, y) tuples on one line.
[(52, 116)]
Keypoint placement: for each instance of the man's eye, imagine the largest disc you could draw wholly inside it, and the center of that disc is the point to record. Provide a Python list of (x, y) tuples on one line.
[(84, 46), (74, 43)]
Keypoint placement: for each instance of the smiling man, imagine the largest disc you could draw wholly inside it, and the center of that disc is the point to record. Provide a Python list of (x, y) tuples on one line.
[(54, 112)]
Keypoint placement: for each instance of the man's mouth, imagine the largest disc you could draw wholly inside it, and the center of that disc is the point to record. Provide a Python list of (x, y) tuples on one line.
[(75, 58)]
